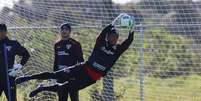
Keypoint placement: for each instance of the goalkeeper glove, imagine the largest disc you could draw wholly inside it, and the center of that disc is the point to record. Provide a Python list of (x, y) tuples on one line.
[(15, 70)]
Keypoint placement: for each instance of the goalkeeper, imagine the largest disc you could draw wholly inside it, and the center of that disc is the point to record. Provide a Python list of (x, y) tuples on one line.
[(106, 52), (68, 52), (8, 71)]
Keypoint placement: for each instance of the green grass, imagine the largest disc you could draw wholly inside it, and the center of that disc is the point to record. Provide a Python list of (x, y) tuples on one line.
[(172, 89), (155, 89)]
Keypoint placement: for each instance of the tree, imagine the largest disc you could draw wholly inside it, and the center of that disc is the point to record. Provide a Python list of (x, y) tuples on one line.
[(183, 19)]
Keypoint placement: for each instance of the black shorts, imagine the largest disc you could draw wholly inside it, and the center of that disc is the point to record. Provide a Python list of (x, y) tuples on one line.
[(77, 77)]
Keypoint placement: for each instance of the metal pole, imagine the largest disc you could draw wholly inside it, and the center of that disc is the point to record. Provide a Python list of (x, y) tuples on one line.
[(142, 63), (7, 76)]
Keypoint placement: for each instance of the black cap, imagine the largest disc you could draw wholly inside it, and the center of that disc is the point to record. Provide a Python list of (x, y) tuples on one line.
[(3, 28), (64, 26)]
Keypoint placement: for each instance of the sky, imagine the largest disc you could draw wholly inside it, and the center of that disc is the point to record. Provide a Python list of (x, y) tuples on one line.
[(8, 3), (123, 1)]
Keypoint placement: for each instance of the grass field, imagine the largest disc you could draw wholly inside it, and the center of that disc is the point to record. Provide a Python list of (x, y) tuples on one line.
[(171, 89)]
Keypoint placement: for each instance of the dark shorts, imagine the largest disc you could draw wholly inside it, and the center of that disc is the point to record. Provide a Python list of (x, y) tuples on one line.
[(77, 77)]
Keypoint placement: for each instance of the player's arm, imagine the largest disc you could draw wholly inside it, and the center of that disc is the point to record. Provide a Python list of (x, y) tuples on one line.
[(24, 54), (79, 53), (125, 45), (55, 67), (22, 51), (103, 33)]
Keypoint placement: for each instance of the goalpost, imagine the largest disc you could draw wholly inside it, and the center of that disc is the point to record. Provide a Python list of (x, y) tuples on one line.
[(162, 64)]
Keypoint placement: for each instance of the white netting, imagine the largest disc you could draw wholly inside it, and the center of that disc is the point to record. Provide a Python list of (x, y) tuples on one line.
[(167, 69)]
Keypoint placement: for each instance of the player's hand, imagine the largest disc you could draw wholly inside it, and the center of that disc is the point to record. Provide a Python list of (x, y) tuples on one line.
[(15, 70)]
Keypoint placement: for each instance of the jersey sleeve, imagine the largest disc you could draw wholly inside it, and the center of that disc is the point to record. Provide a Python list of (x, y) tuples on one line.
[(21, 51), (125, 45), (103, 33), (79, 53), (55, 67)]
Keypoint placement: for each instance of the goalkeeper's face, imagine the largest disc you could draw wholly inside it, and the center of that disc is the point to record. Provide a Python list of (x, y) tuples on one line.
[(65, 32), (3, 35), (112, 39)]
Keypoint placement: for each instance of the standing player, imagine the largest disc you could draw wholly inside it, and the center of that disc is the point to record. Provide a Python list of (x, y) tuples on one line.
[(68, 52), (106, 52), (8, 71)]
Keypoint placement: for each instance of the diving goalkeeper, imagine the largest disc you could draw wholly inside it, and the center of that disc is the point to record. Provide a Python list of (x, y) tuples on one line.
[(105, 53)]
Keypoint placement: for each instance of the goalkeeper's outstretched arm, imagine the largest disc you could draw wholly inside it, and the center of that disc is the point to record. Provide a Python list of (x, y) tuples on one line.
[(125, 45)]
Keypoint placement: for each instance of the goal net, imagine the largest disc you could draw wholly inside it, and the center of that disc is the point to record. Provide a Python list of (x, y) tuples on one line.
[(162, 64)]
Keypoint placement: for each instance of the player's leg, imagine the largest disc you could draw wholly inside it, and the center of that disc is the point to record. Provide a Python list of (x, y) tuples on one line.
[(43, 76), (13, 89), (1, 89), (81, 81), (65, 73), (74, 95), (76, 85), (60, 87), (6, 92), (63, 95), (54, 88)]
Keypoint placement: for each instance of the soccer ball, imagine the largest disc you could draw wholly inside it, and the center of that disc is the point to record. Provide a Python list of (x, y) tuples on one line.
[(126, 21)]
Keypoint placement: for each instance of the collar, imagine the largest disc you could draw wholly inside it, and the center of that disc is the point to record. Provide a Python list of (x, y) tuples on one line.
[(65, 39)]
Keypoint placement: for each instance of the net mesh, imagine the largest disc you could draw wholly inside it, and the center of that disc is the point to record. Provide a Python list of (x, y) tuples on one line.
[(162, 64)]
